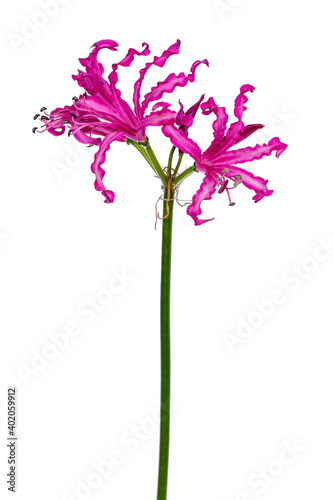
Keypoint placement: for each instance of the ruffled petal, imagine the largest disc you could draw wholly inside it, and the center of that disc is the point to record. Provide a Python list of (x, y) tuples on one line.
[(160, 104), (181, 141), (91, 61), (236, 128), (157, 118), (205, 192), (248, 154), (170, 83), (258, 184), (84, 136), (99, 159), (92, 80), (219, 125), (122, 107), (128, 59), (248, 130), (158, 61)]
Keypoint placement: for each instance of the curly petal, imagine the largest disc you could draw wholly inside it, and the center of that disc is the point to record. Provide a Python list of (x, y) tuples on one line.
[(236, 129), (170, 83), (181, 141), (205, 192), (225, 159), (99, 159), (250, 181), (158, 61)]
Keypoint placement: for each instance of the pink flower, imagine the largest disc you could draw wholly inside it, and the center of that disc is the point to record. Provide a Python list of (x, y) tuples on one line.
[(217, 162), (100, 115)]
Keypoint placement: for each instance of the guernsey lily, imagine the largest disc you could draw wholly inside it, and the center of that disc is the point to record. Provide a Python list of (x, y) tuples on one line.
[(100, 115), (218, 161)]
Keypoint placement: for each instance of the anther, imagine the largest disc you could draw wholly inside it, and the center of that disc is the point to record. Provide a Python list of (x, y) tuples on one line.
[(69, 133), (36, 116), (75, 98), (42, 109), (85, 95), (238, 183), (44, 117), (225, 171), (237, 176), (72, 114), (34, 129), (65, 122), (223, 187), (232, 204)]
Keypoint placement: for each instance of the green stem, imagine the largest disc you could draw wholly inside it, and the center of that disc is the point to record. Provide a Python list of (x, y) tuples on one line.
[(180, 157), (142, 150), (149, 156), (165, 348), (157, 167), (184, 174), (172, 152)]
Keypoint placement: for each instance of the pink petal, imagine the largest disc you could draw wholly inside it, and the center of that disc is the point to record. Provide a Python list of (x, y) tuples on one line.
[(205, 192), (185, 119), (224, 159), (219, 125), (157, 118), (161, 104), (236, 128), (258, 184), (84, 137), (128, 59), (170, 83), (122, 107), (91, 62), (158, 61), (181, 141), (248, 130), (92, 80), (99, 159)]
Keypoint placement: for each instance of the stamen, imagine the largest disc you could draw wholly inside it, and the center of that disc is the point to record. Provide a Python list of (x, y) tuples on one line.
[(34, 129), (36, 116), (42, 109)]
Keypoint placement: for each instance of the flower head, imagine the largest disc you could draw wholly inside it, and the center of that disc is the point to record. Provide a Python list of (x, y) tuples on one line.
[(100, 115), (218, 161)]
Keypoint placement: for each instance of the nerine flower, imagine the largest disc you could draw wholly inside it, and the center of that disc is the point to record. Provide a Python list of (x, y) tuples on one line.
[(218, 161), (100, 116)]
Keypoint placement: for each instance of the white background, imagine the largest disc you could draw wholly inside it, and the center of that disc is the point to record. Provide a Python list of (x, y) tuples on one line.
[(235, 407)]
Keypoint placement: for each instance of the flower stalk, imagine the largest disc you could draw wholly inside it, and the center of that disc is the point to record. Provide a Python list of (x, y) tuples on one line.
[(165, 345)]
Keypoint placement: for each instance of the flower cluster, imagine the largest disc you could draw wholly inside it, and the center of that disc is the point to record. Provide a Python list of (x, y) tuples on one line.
[(100, 116)]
